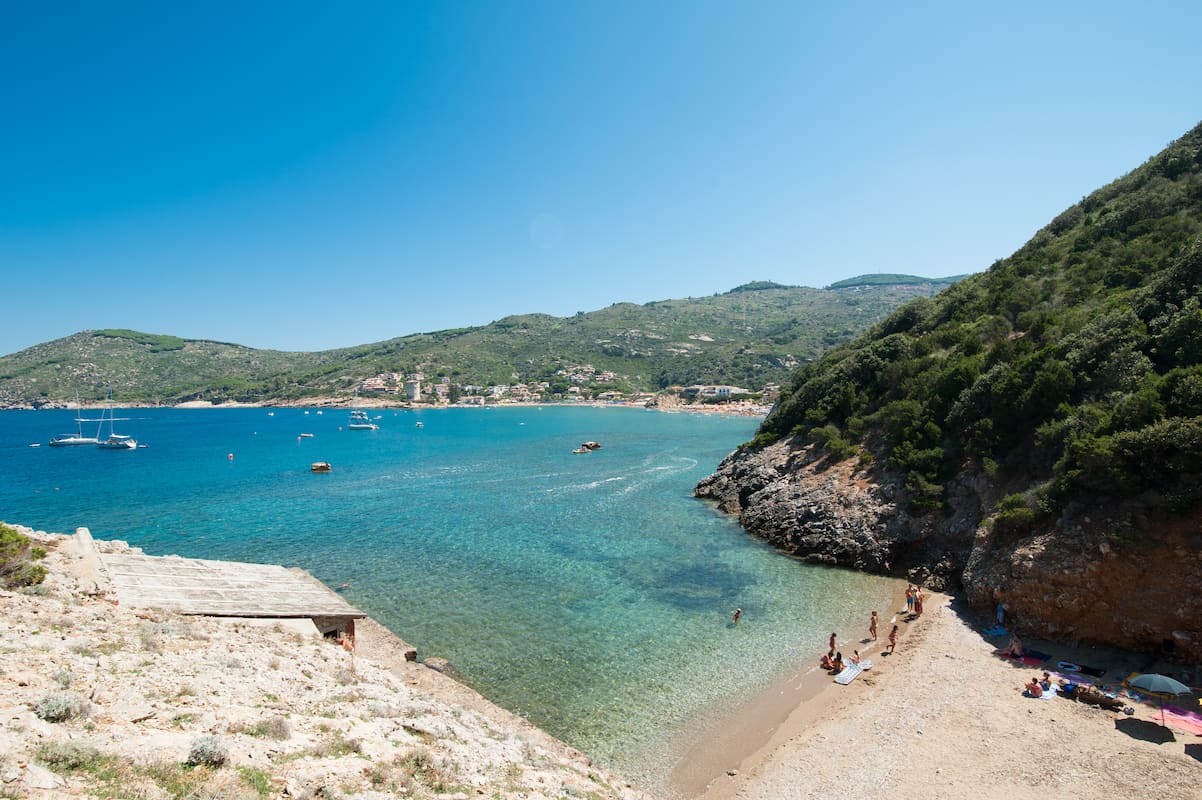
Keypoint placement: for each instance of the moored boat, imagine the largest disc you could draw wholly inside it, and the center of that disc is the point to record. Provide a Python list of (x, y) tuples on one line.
[(359, 421)]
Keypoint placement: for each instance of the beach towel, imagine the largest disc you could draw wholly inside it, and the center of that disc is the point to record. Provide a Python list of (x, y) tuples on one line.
[(996, 630), (849, 674), (1030, 658), (1183, 720), (1093, 671)]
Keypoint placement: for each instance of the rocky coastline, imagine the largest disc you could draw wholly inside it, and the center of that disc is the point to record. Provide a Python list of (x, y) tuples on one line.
[(1110, 574), (103, 700)]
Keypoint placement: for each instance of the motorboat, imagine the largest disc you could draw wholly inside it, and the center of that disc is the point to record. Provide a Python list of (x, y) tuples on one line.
[(320, 466), (118, 441)]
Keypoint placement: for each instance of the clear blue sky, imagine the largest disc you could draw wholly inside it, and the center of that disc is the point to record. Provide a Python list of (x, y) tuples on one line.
[(305, 175)]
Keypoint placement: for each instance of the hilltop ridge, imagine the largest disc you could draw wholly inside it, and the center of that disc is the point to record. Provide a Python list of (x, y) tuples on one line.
[(751, 336)]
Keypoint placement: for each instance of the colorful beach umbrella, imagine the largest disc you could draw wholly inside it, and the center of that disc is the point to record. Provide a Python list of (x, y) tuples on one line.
[(1162, 685)]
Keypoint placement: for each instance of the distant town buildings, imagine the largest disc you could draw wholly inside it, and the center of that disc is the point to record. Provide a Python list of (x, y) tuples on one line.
[(572, 384)]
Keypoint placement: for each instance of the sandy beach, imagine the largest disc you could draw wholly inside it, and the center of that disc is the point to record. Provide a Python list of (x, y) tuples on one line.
[(944, 717)]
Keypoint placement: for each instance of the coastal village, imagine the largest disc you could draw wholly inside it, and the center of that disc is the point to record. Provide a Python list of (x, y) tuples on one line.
[(576, 384)]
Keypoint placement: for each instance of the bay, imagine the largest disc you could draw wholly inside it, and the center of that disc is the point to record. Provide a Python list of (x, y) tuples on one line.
[(590, 593)]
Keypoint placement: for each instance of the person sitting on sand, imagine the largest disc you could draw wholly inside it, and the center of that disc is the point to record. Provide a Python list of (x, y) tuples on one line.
[(1015, 648), (1045, 681), (855, 657), (1032, 688), (838, 665), (828, 661)]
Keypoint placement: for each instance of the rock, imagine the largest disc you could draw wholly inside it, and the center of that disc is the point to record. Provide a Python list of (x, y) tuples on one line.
[(37, 777)]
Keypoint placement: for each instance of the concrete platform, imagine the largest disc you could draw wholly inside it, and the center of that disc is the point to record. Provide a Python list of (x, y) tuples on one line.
[(221, 588)]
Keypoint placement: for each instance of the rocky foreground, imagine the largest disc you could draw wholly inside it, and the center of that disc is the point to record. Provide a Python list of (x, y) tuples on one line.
[(97, 700)]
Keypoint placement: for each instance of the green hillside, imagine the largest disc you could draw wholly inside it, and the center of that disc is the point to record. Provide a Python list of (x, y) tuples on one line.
[(1071, 369), (758, 333)]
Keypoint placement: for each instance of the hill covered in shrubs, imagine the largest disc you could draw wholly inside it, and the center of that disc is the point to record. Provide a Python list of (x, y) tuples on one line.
[(1033, 434)]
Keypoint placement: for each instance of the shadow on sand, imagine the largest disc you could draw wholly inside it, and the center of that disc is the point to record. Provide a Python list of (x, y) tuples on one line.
[(1145, 730)]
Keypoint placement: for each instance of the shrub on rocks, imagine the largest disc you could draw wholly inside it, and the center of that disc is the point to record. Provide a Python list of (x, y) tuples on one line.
[(69, 755), (16, 554), (60, 707), (208, 751)]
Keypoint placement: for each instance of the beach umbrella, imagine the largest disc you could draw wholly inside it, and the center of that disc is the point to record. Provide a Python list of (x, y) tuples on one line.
[(1161, 685)]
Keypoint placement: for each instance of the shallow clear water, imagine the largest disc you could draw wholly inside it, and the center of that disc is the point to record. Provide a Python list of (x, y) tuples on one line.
[(590, 593)]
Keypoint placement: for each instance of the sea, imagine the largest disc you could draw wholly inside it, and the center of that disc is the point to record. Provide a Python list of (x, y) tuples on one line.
[(590, 592)]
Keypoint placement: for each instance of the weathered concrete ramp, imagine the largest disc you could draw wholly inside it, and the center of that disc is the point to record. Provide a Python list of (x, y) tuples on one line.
[(221, 588)]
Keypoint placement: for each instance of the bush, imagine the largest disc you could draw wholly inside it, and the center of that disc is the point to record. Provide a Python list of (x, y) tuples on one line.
[(16, 551), (60, 707), (276, 728), (69, 755), (208, 751)]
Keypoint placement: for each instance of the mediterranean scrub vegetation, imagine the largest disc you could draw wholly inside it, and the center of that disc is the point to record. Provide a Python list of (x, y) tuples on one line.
[(1072, 368), (18, 557)]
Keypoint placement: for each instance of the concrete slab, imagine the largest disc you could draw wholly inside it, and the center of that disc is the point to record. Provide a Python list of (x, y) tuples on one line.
[(221, 588)]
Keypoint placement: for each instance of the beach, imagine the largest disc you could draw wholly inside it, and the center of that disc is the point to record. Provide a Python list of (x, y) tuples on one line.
[(944, 717)]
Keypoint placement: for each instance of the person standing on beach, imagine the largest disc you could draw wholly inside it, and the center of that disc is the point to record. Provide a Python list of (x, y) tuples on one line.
[(872, 626), (892, 638), (909, 599), (918, 598)]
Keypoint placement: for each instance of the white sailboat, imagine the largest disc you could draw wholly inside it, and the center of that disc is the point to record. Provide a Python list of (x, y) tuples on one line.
[(359, 421), (77, 438), (114, 440)]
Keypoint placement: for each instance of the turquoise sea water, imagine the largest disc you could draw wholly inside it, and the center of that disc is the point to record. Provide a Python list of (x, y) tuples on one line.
[(590, 593)]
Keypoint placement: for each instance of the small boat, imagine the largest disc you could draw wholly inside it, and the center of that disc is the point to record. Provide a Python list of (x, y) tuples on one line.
[(35, 444), (359, 421), (320, 466), (271, 413), (582, 450), (118, 441), (421, 424), (591, 445), (306, 436)]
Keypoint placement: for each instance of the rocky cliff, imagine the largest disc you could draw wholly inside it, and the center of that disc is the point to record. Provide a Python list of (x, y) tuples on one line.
[(1107, 573)]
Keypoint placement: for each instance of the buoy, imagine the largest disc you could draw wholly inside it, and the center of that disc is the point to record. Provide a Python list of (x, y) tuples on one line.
[(231, 456)]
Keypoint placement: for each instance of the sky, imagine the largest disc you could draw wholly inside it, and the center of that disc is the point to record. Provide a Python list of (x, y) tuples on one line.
[(310, 175)]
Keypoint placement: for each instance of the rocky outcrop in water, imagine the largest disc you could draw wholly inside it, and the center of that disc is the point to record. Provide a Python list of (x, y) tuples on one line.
[(1108, 574)]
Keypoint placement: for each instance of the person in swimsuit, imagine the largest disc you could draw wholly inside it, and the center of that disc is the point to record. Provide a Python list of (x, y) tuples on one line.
[(872, 626), (892, 638)]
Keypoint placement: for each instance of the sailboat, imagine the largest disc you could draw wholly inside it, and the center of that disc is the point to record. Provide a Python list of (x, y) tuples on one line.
[(77, 438), (115, 441), (359, 420)]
